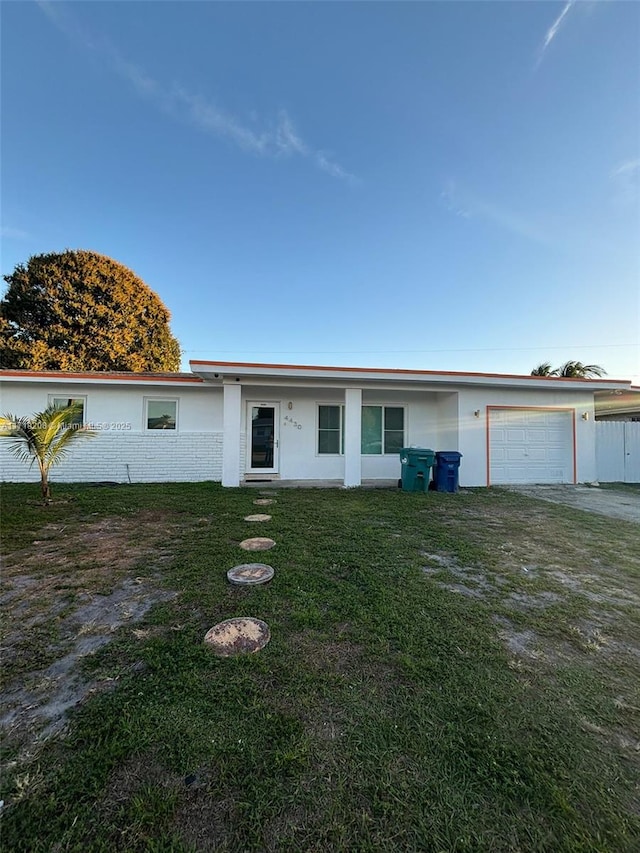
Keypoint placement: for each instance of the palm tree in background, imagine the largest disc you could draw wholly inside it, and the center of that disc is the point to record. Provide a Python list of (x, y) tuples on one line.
[(543, 369), (570, 370), (45, 438), (578, 370)]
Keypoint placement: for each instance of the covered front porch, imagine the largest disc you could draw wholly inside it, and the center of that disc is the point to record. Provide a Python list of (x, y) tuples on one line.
[(327, 435)]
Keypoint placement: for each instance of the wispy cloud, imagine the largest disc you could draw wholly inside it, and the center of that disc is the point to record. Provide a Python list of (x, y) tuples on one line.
[(467, 205), (627, 169), (14, 233), (626, 180), (452, 200), (552, 32), (277, 138)]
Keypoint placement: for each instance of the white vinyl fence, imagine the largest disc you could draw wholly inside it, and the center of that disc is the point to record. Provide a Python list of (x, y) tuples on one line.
[(618, 451)]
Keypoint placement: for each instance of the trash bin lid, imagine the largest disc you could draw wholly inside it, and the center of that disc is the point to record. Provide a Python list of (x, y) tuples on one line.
[(448, 455)]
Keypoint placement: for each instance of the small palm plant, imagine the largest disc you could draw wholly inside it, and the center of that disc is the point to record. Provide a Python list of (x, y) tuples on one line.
[(45, 438)]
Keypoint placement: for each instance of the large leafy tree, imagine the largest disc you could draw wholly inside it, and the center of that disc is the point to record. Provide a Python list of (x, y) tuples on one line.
[(78, 310), (570, 370), (45, 438)]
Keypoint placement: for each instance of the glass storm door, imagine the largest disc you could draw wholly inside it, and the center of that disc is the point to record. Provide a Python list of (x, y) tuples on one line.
[(262, 438)]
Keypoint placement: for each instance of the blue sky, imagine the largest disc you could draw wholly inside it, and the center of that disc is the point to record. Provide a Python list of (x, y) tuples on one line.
[(447, 186)]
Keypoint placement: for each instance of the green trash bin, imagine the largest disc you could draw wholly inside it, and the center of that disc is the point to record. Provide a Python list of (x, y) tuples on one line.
[(416, 468)]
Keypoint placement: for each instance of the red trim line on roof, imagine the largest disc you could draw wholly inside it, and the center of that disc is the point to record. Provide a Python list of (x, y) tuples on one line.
[(403, 371), (116, 377)]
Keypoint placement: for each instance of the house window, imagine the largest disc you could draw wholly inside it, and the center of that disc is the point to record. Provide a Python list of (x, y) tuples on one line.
[(63, 402), (331, 429), (382, 429), (162, 414)]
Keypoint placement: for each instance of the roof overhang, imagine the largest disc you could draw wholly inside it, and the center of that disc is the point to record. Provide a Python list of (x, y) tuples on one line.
[(105, 378), (223, 371)]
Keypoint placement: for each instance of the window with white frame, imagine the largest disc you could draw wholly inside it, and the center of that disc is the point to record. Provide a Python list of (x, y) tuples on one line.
[(382, 429), (330, 429), (161, 413), (61, 402)]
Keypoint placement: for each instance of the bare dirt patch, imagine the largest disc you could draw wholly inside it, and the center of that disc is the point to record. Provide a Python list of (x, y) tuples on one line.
[(564, 596), (63, 597)]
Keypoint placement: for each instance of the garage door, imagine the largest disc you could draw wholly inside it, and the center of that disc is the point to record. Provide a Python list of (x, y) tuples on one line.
[(530, 446)]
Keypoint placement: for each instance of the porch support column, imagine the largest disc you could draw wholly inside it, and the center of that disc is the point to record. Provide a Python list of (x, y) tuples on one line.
[(352, 437), (231, 425)]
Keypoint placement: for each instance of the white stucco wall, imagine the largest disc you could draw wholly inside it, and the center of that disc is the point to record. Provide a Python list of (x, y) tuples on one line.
[(298, 452), (440, 417), (123, 450), (473, 430), (429, 422)]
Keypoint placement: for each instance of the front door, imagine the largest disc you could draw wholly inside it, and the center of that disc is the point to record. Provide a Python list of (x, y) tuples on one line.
[(262, 437)]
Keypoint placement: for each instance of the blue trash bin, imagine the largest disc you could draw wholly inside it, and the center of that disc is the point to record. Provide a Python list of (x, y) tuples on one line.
[(445, 472)]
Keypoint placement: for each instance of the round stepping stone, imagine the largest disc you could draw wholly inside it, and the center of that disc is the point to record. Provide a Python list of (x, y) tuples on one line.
[(264, 501), (243, 635), (258, 543), (250, 574), (259, 516)]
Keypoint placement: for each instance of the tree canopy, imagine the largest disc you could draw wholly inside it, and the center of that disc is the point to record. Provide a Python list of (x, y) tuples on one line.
[(570, 370), (78, 310)]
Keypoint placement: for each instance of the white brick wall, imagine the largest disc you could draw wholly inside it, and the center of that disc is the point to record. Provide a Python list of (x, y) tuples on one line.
[(123, 456)]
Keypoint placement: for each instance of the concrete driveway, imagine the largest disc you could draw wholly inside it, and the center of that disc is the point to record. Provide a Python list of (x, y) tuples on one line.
[(616, 503)]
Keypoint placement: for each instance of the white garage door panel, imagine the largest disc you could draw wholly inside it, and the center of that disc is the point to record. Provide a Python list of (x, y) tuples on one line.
[(536, 436), (530, 446), (538, 454)]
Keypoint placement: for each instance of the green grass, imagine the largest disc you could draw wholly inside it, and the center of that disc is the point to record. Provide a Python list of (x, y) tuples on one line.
[(625, 487), (388, 712)]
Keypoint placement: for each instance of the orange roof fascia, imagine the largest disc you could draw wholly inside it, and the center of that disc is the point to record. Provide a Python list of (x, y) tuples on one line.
[(404, 371), (116, 377)]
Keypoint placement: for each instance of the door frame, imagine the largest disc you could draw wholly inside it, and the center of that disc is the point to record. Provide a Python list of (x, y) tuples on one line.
[(275, 468)]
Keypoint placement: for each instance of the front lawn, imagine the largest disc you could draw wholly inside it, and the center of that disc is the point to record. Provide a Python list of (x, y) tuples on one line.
[(445, 673)]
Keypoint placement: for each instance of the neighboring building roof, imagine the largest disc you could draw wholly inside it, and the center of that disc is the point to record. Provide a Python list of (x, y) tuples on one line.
[(617, 402)]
